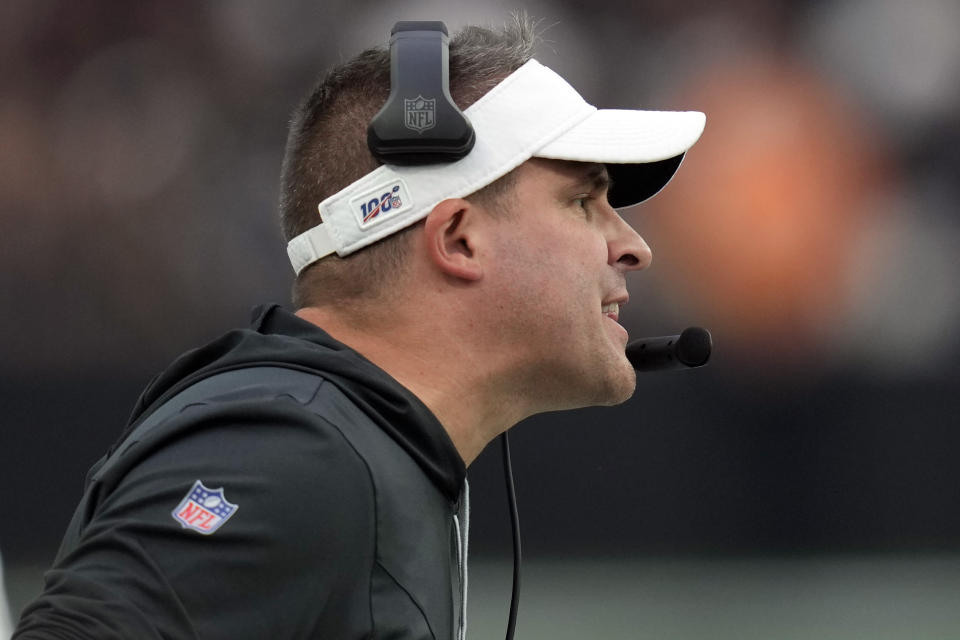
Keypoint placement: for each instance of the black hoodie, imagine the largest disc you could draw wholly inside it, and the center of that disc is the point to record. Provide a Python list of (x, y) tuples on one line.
[(273, 483)]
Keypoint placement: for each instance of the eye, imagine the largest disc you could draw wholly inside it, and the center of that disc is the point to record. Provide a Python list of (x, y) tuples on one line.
[(582, 201)]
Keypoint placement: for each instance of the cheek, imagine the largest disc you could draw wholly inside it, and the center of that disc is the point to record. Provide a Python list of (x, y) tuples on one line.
[(561, 295), (546, 270), (559, 266)]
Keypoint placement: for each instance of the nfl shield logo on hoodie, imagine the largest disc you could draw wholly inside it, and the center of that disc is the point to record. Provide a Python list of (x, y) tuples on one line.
[(204, 510)]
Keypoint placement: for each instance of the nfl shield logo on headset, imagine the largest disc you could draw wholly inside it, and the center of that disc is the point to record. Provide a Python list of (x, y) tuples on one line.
[(420, 113)]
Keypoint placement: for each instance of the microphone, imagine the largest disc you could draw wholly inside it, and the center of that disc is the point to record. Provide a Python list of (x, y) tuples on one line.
[(689, 349)]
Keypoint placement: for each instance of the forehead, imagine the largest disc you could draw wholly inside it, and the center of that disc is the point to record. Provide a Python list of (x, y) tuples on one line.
[(561, 173)]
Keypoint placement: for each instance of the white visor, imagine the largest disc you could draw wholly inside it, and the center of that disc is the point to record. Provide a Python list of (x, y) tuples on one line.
[(533, 112)]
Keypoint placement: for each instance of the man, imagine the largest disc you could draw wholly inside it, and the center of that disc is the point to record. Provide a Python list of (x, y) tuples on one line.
[(306, 477)]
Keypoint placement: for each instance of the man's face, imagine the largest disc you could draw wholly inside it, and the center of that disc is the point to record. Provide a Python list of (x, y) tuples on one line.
[(560, 266)]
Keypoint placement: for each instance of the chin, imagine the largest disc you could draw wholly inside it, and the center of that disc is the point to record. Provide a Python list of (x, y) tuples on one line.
[(621, 387), (612, 386), (601, 383)]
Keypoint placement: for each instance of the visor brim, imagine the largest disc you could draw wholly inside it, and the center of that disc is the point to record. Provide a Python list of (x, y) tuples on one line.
[(642, 149), (634, 183)]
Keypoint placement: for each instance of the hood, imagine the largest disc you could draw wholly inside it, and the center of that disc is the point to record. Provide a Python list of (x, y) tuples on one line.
[(279, 338)]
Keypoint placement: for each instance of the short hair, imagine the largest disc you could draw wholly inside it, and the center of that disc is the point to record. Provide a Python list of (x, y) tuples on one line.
[(327, 151)]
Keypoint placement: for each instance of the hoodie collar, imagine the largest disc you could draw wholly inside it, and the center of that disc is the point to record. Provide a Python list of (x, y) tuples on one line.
[(278, 337)]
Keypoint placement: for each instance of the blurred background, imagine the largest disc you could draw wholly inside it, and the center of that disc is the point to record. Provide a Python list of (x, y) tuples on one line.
[(804, 485)]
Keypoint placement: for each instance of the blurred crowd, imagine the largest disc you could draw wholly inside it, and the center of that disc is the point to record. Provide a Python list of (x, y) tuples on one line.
[(814, 223)]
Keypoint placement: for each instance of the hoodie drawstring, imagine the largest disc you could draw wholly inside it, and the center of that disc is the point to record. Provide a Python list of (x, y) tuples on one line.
[(463, 541)]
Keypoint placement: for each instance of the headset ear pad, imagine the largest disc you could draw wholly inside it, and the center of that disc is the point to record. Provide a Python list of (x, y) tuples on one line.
[(420, 123), (634, 183)]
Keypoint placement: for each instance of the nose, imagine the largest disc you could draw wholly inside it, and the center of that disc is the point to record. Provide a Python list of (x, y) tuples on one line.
[(627, 251)]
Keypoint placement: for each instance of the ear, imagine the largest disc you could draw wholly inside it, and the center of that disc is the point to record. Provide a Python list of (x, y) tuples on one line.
[(452, 232)]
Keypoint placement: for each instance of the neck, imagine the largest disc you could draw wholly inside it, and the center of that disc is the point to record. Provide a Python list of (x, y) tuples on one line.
[(441, 367)]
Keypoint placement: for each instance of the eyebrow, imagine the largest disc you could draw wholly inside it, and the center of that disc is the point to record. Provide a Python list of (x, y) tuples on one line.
[(597, 177)]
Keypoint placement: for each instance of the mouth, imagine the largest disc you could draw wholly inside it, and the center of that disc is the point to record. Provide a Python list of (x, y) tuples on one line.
[(611, 310)]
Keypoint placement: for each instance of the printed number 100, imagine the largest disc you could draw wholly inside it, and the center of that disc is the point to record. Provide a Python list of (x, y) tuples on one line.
[(375, 206)]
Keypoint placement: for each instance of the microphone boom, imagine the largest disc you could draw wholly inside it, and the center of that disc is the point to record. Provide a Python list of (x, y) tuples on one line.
[(689, 349)]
